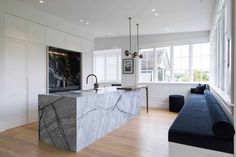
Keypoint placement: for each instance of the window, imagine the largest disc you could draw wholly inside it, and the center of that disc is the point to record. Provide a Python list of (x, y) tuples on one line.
[(181, 63), (147, 65), (100, 67), (201, 62), (162, 64), (221, 38), (155, 65), (107, 65)]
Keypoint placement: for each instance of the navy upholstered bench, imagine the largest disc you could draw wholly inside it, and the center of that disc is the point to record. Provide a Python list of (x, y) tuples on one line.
[(202, 123)]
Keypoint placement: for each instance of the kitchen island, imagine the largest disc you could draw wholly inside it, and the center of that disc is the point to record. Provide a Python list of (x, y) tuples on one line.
[(75, 119)]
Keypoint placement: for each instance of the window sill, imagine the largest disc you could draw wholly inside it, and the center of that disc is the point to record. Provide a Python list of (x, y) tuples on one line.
[(181, 83), (223, 98)]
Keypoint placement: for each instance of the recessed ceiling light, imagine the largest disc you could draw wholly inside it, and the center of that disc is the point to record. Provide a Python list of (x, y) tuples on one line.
[(153, 10), (156, 14), (41, 2), (81, 20), (87, 23)]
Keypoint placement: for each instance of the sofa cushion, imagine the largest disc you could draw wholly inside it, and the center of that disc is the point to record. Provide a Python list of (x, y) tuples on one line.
[(199, 89), (221, 125), (193, 127)]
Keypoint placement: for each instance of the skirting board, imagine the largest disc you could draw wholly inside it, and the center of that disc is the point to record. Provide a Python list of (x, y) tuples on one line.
[(2, 127), (180, 150), (32, 119), (155, 105), (13, 124)]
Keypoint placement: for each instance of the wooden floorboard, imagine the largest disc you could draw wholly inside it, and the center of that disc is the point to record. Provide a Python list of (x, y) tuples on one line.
[(144, 136)]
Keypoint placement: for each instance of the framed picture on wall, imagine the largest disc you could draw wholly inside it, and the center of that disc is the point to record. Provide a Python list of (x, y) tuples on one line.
[(128, 66)]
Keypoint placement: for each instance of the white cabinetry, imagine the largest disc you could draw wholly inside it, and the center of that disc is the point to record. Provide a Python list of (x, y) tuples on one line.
[(24, 62), (36, 78), (36, 33), (15, 27), (15, 83), (55, 38), (73, 43), (86, 46), (25, 70)]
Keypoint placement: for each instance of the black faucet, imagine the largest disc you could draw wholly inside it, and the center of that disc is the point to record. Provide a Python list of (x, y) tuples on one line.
[(95, 84)]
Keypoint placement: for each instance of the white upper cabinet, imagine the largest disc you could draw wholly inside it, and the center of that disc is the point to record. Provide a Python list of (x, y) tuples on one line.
[(36, 33), (86, 46), (15, 27), (73, 43), (15, 83), (15, 67), (36, 78), (55, 38), (37, 68)]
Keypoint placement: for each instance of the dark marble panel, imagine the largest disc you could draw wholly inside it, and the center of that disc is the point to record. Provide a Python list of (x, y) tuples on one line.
[(64, 70)]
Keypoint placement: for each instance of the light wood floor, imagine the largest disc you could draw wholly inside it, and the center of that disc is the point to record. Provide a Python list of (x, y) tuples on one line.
[(144, 136)]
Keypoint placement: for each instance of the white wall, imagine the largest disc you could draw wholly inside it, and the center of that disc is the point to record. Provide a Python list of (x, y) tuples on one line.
[(24, 34), (158, 92), (234, 55), (2, 111), (151, 40)]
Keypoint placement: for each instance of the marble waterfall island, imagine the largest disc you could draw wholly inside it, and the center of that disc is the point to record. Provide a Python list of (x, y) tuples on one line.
[(73, 120)]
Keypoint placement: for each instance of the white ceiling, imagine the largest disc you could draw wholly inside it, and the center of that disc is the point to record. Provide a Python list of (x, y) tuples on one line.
[(107, 17)]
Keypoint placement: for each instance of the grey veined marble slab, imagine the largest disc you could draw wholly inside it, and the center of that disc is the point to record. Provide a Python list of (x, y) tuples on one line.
[(72, 123)]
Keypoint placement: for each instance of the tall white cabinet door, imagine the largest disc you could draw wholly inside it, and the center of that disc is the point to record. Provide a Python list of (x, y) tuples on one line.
[(36, 78), (15, 83), (86, 46), (55, 38), (36, 33), (15, 27), (73, 43)]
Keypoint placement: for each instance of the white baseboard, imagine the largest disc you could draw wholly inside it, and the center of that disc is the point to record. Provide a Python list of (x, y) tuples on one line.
[(13, 124), (32, 119), (156, 105), (2, 127), (180, 150)]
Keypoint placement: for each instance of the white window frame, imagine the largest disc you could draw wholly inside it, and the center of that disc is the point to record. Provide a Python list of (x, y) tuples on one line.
[(155, 79), (106, 54), (221, 35)]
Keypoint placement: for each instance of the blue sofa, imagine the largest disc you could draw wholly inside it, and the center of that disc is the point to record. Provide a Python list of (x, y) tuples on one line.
[(202, 123)]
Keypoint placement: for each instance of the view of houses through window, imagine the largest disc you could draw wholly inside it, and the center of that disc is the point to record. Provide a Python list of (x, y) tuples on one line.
[(182, 63)]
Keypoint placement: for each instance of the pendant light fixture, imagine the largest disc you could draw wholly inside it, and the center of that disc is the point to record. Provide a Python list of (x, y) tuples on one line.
[(128, 52)]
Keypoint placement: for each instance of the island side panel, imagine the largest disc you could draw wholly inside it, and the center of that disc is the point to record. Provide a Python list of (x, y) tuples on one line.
[(124, 108), (98, 115), (57, 121)]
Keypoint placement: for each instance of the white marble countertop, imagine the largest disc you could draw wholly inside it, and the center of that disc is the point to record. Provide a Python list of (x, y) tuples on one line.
[(87, 92), (104, 90)]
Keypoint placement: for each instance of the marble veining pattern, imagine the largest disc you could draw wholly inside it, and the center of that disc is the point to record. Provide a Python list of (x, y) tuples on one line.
[(72, 123)]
